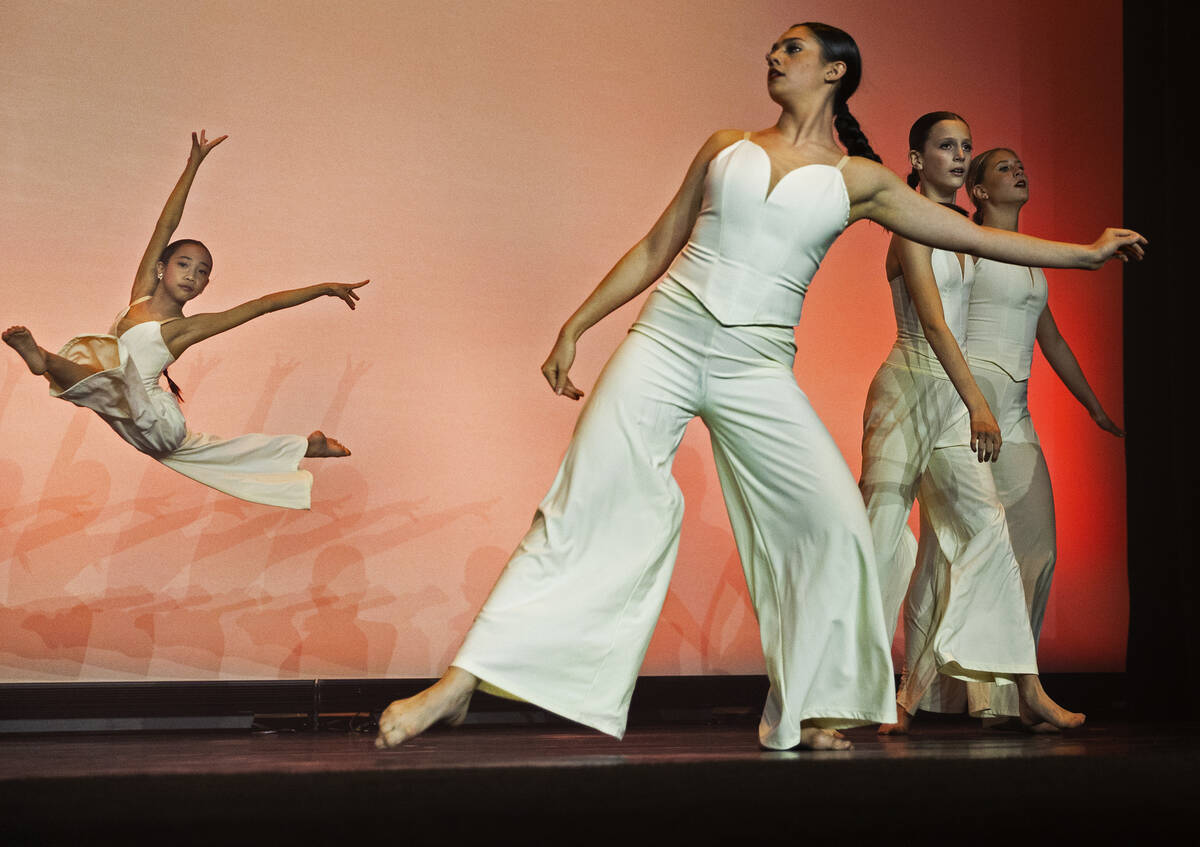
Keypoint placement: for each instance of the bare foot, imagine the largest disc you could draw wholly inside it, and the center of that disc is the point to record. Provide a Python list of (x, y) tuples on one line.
[(902, 725), (1038, 708), (1041, 728), (21, 340), (446, 701), (321, 447), (815, 738)]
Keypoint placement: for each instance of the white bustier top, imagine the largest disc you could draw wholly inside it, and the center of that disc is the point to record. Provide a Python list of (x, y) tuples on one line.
[(954, 284), (1006, 303), (751, 256)]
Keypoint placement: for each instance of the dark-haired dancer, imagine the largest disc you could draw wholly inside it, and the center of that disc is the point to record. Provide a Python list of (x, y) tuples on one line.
[(926, 424), (1008, 314), (570, 618), (117, 375)]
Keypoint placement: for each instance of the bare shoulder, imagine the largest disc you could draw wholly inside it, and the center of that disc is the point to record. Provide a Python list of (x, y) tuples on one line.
[(719, 140), (866, 178), (715, 143)]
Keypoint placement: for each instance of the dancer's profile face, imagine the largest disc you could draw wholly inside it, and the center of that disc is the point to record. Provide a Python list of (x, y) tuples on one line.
[(185, 273), (795, 63), (945, 156), (1003, 179)]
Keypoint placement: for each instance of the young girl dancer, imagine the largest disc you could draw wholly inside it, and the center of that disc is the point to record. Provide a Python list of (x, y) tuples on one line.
[(117, 375), (568, 622), (926, 423), (1008, 313)]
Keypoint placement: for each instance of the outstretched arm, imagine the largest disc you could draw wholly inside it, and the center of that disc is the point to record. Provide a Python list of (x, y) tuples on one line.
[(146, 280), (879, 195), (915, 264), (1058, 354), (183, 333)]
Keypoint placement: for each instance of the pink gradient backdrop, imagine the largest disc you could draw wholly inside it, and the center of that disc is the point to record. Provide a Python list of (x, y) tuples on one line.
[(484, 163)]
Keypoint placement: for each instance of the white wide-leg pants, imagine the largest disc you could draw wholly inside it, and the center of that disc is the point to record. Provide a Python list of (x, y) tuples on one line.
[(916, 443), (569, 620), (1023, 484)]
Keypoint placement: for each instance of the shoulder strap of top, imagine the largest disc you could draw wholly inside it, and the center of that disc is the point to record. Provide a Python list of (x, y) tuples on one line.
[(746, 135), (121, 314), (842, 162), (168, 320)]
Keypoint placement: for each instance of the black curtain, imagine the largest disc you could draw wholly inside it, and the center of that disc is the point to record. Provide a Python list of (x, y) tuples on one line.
[(1162, 335)]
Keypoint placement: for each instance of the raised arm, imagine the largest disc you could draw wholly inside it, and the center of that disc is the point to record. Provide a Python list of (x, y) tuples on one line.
[(879, 195), (1058, 354), (145, 281), (183, 333), (915, 264), (645, 262)]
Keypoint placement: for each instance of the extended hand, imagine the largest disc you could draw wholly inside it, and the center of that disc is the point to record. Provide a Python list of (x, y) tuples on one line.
[(555, 368), (1125, 244), (346, 292), (1106, 423), (985, 436), (201, 146)]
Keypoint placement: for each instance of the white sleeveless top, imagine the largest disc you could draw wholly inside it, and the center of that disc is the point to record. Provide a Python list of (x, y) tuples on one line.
[(954, 284), (751, 255), (1006, 303)]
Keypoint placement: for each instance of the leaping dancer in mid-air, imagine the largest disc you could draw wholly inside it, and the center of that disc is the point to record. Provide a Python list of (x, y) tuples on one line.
[(117, 375)]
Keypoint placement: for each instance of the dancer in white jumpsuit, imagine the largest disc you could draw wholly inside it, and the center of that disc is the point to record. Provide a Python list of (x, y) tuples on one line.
[(1008, 312), (570, 618), (117, 375)]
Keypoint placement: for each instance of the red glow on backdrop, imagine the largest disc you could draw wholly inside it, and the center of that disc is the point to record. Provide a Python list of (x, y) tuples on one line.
[(484, 164)]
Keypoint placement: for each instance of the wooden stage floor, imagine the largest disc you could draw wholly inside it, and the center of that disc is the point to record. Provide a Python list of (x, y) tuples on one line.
[(559, 784)]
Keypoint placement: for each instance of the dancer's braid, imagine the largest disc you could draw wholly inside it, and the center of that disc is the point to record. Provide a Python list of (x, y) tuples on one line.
[(851, 134)]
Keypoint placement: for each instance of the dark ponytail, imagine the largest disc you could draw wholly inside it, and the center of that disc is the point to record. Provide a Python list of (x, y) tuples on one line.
[(838, 46), (171, 384), (851, 134), (167, 253)]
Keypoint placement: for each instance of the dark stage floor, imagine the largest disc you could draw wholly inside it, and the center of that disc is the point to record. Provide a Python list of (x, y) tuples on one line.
[(556, 784)]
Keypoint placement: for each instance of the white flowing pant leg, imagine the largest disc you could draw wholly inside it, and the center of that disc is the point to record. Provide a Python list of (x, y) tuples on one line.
[(804, 542), (257, 468), (567, 625), (942, 693), (1022, 483), (906, 411), (980, 626)]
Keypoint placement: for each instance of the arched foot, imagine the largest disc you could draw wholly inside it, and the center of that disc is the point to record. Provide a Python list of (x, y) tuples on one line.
[(1037, 707), (322, 447), (21, 340), (446, 701)]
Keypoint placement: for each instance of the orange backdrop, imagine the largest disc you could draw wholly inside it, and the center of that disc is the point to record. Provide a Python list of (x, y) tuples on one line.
[(484, 163)]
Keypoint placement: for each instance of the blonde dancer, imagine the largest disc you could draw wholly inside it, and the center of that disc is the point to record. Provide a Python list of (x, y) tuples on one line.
[(1008, 313)]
